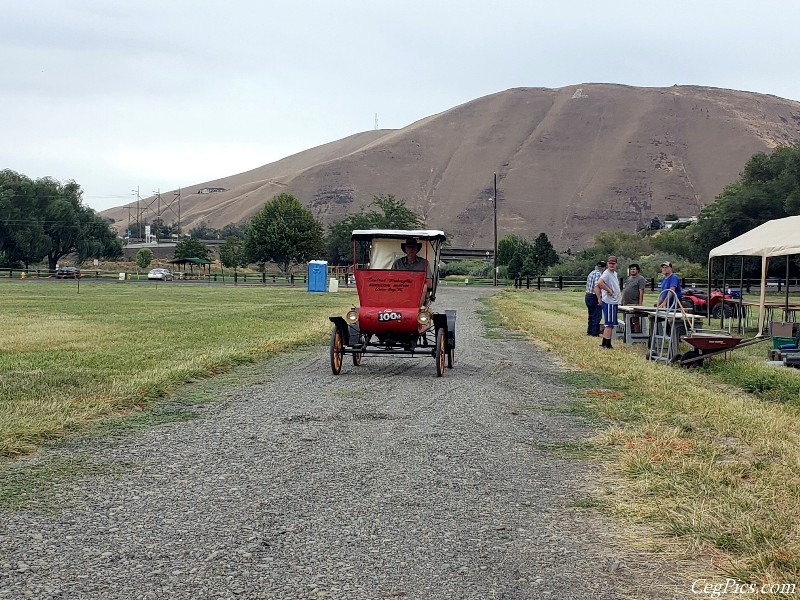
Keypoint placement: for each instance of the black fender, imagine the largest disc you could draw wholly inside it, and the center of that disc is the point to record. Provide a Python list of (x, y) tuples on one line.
[(340, 324), (350, 333), (448, 322)]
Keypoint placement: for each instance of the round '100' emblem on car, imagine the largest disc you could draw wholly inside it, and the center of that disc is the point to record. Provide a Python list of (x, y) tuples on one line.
[(390, 315)]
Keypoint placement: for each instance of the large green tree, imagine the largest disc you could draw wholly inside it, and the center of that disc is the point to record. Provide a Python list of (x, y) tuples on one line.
[(143, 258), (509, 245), (768, 188), (389, 213), (543, 254), (232, 254), (284, 232), (46, 218), (189, 247)]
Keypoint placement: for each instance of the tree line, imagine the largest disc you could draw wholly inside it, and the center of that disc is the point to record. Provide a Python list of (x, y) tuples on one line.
[(768, 188), (45, 219)]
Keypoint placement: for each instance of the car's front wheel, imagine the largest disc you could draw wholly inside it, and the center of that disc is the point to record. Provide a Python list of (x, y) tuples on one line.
[(337, 350), (440, 351)]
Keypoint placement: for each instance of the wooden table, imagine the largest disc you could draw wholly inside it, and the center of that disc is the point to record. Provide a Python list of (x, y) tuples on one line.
[(647, 315), (751, 316)]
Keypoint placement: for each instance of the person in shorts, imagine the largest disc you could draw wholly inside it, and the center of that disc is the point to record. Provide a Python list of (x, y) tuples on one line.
[(608, 287)]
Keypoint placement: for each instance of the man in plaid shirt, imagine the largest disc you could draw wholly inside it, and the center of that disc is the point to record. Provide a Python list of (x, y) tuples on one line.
[(593, 303)]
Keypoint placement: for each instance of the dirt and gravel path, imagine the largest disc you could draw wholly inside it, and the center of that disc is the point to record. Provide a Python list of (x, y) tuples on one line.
[(383, 482)]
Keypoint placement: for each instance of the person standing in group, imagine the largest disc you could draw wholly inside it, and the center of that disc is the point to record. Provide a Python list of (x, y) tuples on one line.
[(608, 287), (633, 294), (633, 290), (670, 281), (595, 312)]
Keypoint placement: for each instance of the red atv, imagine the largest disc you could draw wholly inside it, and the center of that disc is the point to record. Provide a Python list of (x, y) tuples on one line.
[(696, 301)]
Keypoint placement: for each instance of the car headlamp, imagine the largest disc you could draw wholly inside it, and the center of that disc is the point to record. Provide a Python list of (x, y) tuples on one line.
[(352, 316), (423, 317)]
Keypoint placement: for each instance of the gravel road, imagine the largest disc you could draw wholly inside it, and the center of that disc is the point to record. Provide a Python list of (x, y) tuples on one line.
[(383, 482)]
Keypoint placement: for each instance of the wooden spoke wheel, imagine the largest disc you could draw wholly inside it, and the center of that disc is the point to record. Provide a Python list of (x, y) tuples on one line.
[(337, 351), (451, 358), (441, 351), (358, 356)]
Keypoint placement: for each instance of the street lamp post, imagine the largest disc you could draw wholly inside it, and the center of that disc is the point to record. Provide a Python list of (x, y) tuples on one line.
[(494, 281)]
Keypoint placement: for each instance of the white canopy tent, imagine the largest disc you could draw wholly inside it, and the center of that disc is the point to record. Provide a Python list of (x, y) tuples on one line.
[(779, 237)]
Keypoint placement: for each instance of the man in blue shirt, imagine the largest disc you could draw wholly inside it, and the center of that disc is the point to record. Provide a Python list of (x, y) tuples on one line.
[(670, 281), (593, 304)]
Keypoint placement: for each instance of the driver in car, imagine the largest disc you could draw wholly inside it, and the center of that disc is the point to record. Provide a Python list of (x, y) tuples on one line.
[(412, 262)]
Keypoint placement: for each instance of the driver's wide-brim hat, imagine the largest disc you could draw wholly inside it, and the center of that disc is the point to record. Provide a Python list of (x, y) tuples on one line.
[(410, 242)]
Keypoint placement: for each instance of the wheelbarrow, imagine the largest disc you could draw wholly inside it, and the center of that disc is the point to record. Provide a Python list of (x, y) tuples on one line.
[(707, 344)]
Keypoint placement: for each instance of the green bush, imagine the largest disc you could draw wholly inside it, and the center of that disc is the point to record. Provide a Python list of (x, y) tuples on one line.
[(466, 268)]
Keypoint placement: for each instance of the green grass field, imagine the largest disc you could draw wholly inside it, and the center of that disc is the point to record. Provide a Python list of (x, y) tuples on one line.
[(69, 360), (710, 457)]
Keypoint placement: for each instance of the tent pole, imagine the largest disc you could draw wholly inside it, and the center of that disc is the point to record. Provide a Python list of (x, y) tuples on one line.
[(724, 285), (763, 296), (708, 285), (740, 329), (786, 281)]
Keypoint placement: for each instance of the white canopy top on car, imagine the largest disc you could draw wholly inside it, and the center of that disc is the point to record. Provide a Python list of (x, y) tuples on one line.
[(426, 234)]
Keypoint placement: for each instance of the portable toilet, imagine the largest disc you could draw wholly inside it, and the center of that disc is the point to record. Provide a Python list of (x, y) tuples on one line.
[(317, 275)]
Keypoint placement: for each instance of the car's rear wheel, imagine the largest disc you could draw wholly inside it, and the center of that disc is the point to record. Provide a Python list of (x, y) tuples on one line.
[(337, 351), (441, 351), (363, 340)]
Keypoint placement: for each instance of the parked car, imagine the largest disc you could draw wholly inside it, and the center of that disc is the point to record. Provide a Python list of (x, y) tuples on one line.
[(68, 273), (162, 274)]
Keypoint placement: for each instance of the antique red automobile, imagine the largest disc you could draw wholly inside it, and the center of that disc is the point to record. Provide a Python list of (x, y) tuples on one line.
[(394, 315)]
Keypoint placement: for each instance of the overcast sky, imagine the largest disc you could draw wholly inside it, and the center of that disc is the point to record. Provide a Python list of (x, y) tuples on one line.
[(166, 93)]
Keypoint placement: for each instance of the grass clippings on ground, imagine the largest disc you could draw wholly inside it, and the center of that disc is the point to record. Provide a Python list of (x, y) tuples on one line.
[(70, 361), (699, 454)]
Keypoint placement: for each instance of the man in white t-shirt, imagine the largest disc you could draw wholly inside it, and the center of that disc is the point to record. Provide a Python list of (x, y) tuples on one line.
[(608, 287)]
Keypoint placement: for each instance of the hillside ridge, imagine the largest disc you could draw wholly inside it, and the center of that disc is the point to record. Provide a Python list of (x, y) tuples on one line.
[(570, 162)]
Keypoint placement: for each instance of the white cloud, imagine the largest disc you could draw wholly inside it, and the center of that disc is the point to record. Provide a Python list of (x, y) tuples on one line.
[(162, 94)]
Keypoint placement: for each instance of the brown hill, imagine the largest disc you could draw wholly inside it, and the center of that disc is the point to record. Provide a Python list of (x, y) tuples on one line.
[(570, 162)]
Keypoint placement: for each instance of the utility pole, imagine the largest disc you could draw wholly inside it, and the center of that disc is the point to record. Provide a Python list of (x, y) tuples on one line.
[(158, 199), (158, 213), (178, 194), (138, 214), (495, 230)]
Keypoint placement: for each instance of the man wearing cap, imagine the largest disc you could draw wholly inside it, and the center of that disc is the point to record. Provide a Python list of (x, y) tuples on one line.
[(593, 303), (412, 262), (670, 281), (608, 287)]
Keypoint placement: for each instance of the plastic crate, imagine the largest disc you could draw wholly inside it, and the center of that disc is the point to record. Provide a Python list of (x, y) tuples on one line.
[(778, 341)]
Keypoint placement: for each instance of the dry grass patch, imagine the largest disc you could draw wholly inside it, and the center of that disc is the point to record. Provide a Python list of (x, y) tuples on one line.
[(68, 361), (700, 459)]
